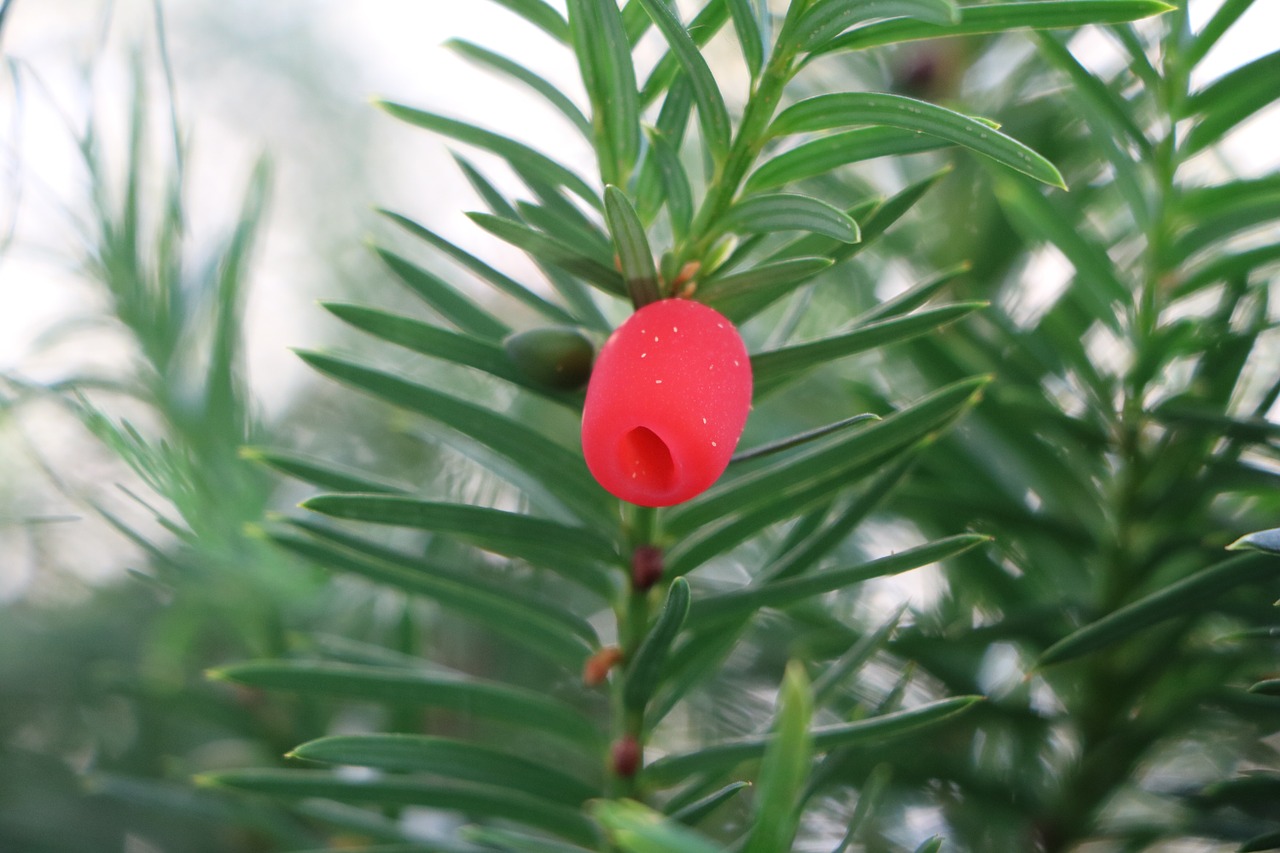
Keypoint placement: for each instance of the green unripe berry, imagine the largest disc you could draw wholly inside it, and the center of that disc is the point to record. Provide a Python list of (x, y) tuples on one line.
[(555, 356)]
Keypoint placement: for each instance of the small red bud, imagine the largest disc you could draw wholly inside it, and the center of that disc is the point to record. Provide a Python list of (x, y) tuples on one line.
[(646, 567), (626, 756), (666, 404)]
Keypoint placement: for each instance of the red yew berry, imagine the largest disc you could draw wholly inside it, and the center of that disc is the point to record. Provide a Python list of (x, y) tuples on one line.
[(666, 404)]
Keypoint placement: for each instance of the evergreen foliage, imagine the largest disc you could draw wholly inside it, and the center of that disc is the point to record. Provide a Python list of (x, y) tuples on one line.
[(568, 672)]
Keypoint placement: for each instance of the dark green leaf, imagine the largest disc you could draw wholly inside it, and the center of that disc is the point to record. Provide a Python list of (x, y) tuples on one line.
[(800, 438), (604, 58), (895, 207), (1266, 841), (516, 153), (516, 842), (644, 671), (913, 297), (1188, 597), (869, 799), (824, 112), (783, 593), (692, 665), (551, 612), (1226, 15), (770, 369), (439, 343), (635, 20), (403, 753), (875, 217), (797, 556), (389, 790), (999, 18), (1248, 430), (311, 808), (551, 468), (569, 227), (828, 458), (502, 282), (735, 294), (1097, 286), (1196, 205), (673, 121), (674, 182), (541, 15), (182, 802), (634, 255), (318, 472), (785, 767), (711, 540), (493, 199), (510, 841), (552, 250), (826, 19), (712, 114), (851, 661), (724, 756), (1226, 266), (635, 828), (1125, 146), (759, 214), (557, 215), (701, 29), (696, 812), (541, 630), (1228, 101), (579, 554), (747, 27), (1252, 792), (333, 648), (449, 690), (1252, 208), (451, 304), (519, 73), (1105, 108), (821, 155)]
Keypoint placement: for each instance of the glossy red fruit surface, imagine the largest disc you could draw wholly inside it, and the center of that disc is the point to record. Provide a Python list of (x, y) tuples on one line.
[(666, 404)]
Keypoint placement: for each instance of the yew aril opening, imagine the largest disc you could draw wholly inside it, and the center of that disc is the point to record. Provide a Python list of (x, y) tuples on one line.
[(649, 459), (666, 404)]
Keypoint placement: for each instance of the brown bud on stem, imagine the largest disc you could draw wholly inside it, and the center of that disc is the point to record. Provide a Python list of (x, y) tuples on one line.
[(646, 567), (597, 667), (685, 283)]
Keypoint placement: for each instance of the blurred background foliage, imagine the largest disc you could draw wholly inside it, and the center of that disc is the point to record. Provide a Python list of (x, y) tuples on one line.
[(1126, 440)]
